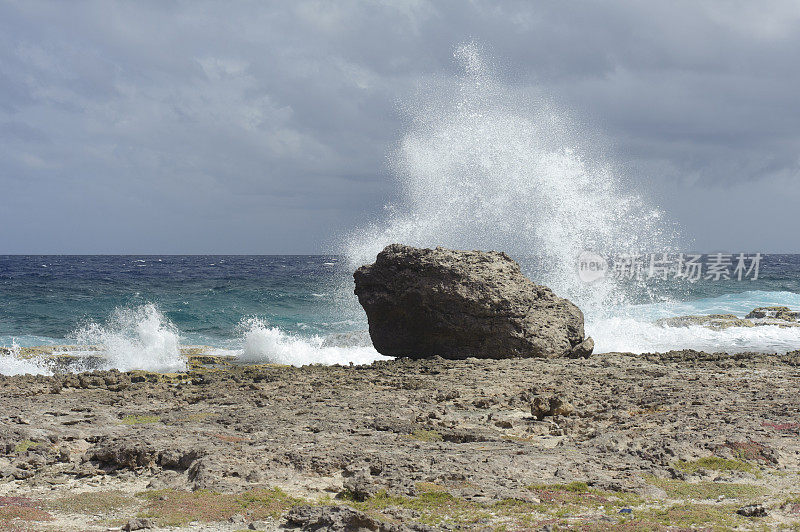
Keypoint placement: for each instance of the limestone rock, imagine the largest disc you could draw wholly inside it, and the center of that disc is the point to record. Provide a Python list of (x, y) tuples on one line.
[(780, 313), (460, 304), (780, 316), (583, 349), (752, 510), (711, 321), (138, 524), (341, 518), (553, 406)]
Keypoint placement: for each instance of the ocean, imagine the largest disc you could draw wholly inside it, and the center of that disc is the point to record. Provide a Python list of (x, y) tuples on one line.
[(300, 309)]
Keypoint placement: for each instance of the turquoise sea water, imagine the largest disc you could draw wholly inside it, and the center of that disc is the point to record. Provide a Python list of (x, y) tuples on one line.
[(47, 298)]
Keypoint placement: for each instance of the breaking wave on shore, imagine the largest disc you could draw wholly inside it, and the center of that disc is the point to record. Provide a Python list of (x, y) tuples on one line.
[(263, 343), (485, 164), (630, 335), (13, 363), (143, 338), (633, 328), (136, 338)]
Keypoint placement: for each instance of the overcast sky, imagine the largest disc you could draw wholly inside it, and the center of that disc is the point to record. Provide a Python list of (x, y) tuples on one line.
[(264, 127)]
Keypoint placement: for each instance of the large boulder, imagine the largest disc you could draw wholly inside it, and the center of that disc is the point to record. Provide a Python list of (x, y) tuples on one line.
[(459, 304)]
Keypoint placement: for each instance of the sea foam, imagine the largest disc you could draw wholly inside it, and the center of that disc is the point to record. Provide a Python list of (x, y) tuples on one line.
[(633, 328), (11, 363), (487, 164), (138, 337), (266, 344)]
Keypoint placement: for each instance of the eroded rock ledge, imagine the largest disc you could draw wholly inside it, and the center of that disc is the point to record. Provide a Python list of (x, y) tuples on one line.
[(409, 444)]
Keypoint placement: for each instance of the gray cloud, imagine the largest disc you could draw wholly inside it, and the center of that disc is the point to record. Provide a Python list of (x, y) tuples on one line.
[(264, 127)]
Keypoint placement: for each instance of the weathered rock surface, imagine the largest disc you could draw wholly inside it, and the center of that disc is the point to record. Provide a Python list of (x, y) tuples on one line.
[(479, 433), (460, 304), (780, 316), (341, 519), (710, 321), (778, 313)]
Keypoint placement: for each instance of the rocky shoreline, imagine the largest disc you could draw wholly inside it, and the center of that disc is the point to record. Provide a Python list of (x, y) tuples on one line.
[(617, 441), (759, 317)]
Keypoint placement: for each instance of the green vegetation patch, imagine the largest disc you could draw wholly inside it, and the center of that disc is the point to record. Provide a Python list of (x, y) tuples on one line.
[(679, 489), (139, 420), (178, 508), (25, 445), (436, 506), (92, 502), (426, 435), (693, 516), (572, 487), (716, 464), (750, 450)]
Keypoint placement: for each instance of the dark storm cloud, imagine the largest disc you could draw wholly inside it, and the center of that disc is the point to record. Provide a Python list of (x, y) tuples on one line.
[(264, 127)]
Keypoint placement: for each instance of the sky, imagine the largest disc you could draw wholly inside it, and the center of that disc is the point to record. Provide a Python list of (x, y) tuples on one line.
[(264, 127)]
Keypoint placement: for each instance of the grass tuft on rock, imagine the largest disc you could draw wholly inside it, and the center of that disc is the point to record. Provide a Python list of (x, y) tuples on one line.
[(574, 487), (426, 435), (715, 463), (139, 420), (25, 445)]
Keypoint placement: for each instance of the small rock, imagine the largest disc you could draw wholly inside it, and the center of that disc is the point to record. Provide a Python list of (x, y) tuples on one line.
[(21, 474), (156, 484), (554, 406), (331, 518), (138, 524), (86, 470), (710, 321), (583, 349), (752, 510), (401, 513), (362, 486), (258, 525), (780, 313)]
